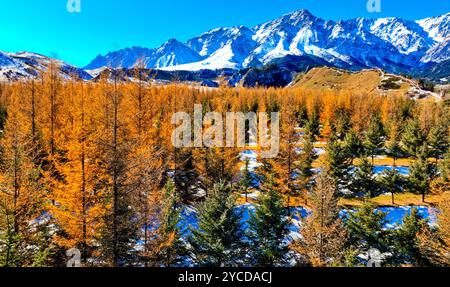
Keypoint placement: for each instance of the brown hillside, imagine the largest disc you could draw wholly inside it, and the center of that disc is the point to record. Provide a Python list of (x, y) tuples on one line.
[(367, 81)]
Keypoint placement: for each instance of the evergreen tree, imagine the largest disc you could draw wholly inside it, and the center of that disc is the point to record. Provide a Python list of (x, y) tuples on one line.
[(269, 228), (393, 147), (366, 229), (323, 237), (392, 182), (364, 179), (375, 137), (353, 144), (419, 178), (312, 127), (337, 162), (218, 241), (247, 179), (302, 116), (406, 239), (3, 115), (394, 150), (438, 141), (306, 159), (341, 122), (412, 137), (444, 167)]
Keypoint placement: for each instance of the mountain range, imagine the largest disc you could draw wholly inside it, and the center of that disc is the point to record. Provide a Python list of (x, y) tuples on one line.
[(417, 48), (393, 44)]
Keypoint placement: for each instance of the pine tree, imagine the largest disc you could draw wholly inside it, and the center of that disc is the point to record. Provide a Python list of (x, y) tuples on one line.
[(391, 181), (412, 138), (365, 228), (364, 179), (444, 167), (341, 122), (269, 228), (394, 150), (312, 127), (375, 137), (354, 146), (438, 141), (337, 162), (406, 239), (419, 178), (323, 237), (218, 241), (393, 146), (3, 116), (306, 159), (247, 179), (302, 116)]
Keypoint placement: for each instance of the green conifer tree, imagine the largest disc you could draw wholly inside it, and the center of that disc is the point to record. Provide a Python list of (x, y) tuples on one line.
[(218, 241), (269, 228), (364, 179), (312, 127), (247, 179), (406, 242), (375, 137), (391, 181), (438, 141), (337, 162), (412, 138), (366, 230), (307, 157), (354, 146), (419, 178)]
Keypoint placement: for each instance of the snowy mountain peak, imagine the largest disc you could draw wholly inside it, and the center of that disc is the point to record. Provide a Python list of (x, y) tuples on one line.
[(393, 44), (301, 14), (438, 28), (15, 66)]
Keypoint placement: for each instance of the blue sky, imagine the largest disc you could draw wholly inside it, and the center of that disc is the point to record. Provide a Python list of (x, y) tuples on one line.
[(46, 27)]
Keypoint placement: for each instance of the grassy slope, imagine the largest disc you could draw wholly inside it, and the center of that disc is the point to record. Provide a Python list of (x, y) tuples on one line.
[(367, 81)]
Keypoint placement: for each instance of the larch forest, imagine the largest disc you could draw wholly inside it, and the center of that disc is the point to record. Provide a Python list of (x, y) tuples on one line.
[(91, 166)]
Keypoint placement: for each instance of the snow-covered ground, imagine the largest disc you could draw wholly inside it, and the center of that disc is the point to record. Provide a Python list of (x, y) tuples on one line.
[(403, 170), (394, 217), (252, 157)]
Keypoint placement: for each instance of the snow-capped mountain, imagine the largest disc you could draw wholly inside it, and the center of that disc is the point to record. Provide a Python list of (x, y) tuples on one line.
[(171, 53), (393, 44), (15, 66)]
